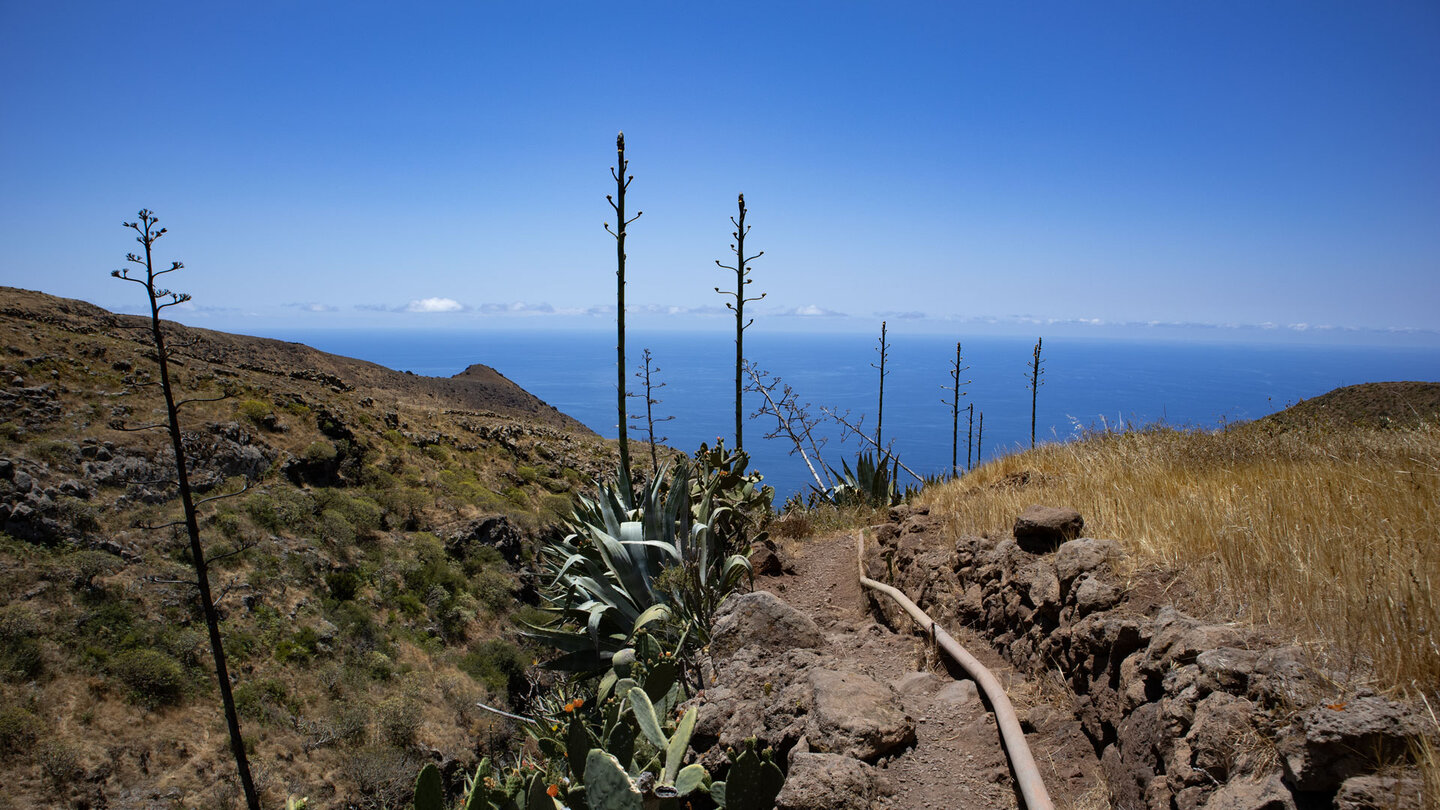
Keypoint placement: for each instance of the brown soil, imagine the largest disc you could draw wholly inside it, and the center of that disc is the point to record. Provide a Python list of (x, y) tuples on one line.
[(958, 760)]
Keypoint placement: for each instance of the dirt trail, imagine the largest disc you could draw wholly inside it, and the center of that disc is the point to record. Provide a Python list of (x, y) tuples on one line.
[(957, 761)]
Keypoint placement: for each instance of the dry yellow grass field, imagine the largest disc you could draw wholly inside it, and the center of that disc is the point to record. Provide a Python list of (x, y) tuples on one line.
[(1331, 535)]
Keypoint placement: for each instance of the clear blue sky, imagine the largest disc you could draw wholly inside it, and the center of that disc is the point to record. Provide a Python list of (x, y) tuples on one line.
[(951, 166)]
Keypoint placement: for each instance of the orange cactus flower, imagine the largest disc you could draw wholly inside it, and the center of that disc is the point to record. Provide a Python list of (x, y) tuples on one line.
[(552, 791)]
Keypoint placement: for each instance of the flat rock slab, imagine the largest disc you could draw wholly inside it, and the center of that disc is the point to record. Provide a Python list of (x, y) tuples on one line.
[(829, 782), (854, 715)]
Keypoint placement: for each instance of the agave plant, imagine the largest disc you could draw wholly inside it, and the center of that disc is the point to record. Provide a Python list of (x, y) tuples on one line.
[(870, 483), (604, 580)]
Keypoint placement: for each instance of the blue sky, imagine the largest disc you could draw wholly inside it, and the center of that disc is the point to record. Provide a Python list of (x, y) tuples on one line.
[(1259, 170)]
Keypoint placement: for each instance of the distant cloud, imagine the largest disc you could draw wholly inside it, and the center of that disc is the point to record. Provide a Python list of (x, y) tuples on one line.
[(435, 305), (675, 309), (517, 308), (811, 311), (311, 306), (423, 305), (912, 315)]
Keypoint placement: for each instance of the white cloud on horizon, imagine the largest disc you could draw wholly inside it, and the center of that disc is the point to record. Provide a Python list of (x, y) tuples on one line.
[(435, 305), (810, 311)]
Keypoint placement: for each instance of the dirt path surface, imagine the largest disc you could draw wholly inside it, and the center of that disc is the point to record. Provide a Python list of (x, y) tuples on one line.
[(957, 761)]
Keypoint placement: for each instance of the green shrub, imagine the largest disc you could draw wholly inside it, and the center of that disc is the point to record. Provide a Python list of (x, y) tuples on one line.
[(436, 453), (335, 530), (319, 452), (78, 514), (154, 678), (517, 496), (497, 664), (261, 414), (555, 506), (344, 584), (228, 524), (283, 509), (397, 719), (379, 665), (85, 566), (265, 701), (357, 627), (300, 647), (19, 728), (494, 589)]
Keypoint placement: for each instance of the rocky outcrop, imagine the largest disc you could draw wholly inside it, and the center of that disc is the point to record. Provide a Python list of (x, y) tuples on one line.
[(771, 675), (495, 532), (1184, 714)]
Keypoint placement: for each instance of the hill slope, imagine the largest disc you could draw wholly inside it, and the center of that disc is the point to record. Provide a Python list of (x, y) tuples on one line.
[(368, 577), (477, 388)]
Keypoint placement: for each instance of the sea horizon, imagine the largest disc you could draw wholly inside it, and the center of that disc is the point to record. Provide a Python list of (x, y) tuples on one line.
[(1087, 383)]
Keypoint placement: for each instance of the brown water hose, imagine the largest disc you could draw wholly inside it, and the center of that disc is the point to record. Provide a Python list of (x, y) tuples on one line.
[(1027, 775)]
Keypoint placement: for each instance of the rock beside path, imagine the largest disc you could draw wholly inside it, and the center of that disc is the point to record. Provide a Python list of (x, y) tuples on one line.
[(1043, 528)]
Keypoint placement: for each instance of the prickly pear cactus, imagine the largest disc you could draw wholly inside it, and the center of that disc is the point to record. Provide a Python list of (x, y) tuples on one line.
[(429, 792), (606, 785)]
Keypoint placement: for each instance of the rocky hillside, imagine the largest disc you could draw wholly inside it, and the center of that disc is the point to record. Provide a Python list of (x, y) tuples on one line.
[(367, 564)]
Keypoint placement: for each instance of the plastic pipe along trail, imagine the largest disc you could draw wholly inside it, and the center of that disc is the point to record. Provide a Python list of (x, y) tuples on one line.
[(1032, 788)]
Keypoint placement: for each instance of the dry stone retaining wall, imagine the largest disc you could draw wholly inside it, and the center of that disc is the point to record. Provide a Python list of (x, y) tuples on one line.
[(1183, 714)]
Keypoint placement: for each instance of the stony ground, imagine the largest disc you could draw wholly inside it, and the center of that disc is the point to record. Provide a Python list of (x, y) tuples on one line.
[(957, 760)]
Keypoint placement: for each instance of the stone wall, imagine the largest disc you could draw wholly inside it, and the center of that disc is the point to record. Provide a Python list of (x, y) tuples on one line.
[(1184, 714)]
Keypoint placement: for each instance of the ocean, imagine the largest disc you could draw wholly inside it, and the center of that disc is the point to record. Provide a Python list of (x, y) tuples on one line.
[(1085, 383)]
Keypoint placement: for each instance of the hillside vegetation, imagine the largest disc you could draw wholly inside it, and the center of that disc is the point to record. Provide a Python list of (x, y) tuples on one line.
[(1322, 521), (369, 577)]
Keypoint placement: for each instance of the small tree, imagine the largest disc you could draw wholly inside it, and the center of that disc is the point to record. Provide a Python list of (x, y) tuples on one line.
[(646, 376), (954, 403), (161, 299), (884, 351), (617, 202), (742, 271)]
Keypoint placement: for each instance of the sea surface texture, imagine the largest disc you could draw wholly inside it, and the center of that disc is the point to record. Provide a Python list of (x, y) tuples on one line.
[(1085, 384)]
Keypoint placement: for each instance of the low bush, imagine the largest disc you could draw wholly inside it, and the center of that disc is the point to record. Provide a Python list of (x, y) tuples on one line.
[(19, 728), (153, 678), (497, 664), (397, 720)]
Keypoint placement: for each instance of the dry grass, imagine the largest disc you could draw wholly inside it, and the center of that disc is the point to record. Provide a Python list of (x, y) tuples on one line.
[(1333, 536)]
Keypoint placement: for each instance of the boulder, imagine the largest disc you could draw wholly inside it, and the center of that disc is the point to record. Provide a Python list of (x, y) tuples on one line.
[(1043, 528), (854, 715), (765, 560), (1083, 556), (1405, 791), (761, 619), (1332, 742), (828, 782)]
